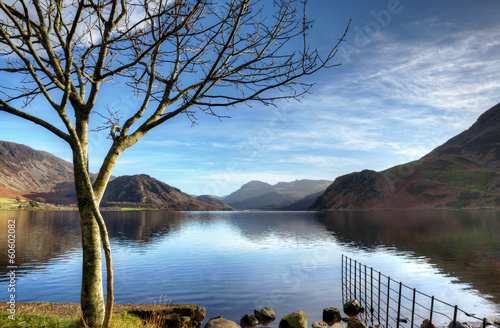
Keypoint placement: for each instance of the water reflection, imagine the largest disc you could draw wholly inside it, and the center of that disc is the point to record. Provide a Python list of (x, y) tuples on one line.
[(465, 245), (233, 262), (40, 237)]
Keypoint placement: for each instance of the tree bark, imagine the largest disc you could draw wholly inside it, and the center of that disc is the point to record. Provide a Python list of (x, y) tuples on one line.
[(92, 298)]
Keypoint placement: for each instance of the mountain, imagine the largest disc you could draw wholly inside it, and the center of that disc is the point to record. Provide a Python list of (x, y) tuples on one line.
[(24, 170), (257, 195), (212, 200), (304, 203), (41, 176), (137, 190), (249, 190), (463, 173)]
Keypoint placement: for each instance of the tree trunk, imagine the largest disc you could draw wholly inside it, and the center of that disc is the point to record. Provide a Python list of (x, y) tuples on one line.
[(92, 297)]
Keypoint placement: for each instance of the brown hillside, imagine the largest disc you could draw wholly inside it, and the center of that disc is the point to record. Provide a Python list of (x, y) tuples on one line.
[(463, 173), (24, 170), (142, 189)]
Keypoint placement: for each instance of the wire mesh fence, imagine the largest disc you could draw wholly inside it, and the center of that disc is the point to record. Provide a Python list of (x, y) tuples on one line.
[(391, 304)]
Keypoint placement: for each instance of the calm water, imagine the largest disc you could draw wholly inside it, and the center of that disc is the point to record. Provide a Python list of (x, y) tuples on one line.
[(233, 262)]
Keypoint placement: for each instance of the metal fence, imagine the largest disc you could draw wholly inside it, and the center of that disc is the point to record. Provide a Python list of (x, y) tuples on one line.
[(389, 303)]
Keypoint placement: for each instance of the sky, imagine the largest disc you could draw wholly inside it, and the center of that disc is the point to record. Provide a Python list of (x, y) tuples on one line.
[(413, 74)]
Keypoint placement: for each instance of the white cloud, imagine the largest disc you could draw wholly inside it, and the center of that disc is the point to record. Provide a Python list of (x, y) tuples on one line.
[(401, 93)]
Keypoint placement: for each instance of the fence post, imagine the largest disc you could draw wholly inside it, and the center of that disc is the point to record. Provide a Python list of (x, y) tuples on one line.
[(399, 303), (360, 289), (355, 275), (371, 291), (366, 304), (388, 299), (379, 286), (413, 307), (455, 317), (432, 308), (343, 285), (350, 279)]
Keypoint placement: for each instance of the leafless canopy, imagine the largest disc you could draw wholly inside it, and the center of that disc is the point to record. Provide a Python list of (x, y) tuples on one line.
[(176, 56)]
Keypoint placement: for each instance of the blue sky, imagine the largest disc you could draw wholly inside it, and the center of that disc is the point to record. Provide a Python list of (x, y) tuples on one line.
[(414, 74)]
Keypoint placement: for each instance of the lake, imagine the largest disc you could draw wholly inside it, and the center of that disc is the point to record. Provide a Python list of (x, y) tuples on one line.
[(234, 262)]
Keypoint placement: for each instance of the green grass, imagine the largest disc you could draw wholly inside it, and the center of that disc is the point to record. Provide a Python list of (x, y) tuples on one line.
[(35, 320), (12, 203), (453, 173), (122, 320)]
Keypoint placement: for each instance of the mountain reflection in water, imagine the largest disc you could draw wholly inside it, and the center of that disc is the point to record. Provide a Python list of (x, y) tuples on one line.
[(233, 262)]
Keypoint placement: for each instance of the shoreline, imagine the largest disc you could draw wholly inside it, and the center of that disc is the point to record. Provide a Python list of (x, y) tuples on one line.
[(73, 310)]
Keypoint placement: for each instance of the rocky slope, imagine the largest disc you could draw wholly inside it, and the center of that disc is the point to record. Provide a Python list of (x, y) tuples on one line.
[(463, 173), (257, 195), (24, 170)]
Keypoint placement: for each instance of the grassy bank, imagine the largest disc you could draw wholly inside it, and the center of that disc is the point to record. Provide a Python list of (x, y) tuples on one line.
[(19, 204), (68, 315), (13, 204), (122, 320)]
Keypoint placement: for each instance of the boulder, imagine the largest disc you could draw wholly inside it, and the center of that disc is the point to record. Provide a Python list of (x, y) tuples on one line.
[(353, 308), (339, 324), (249, 320), (166, 315), (199, 313), (427, 324), (220, 322), (295, 319), (459, 324), (331, 314), (354, 322), (319, 324), (265, 315)]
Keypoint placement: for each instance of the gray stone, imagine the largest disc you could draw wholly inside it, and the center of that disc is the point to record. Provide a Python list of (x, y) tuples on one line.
[(459, 324), (339, 324), (199, 313), (249, 320), (353, 322), (265, 315), (220, 322), (319, 324), (295, 319), (427, 324), (331, 314), (353, 308)]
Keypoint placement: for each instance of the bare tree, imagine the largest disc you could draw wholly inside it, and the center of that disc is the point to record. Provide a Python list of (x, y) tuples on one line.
[(176, 56)]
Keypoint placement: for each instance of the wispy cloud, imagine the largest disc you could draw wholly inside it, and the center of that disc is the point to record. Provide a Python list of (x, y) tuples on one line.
[(175, 170), (325, 161), (409, 92)]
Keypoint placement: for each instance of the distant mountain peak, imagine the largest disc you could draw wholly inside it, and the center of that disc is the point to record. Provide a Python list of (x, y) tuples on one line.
[(257, 195)]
